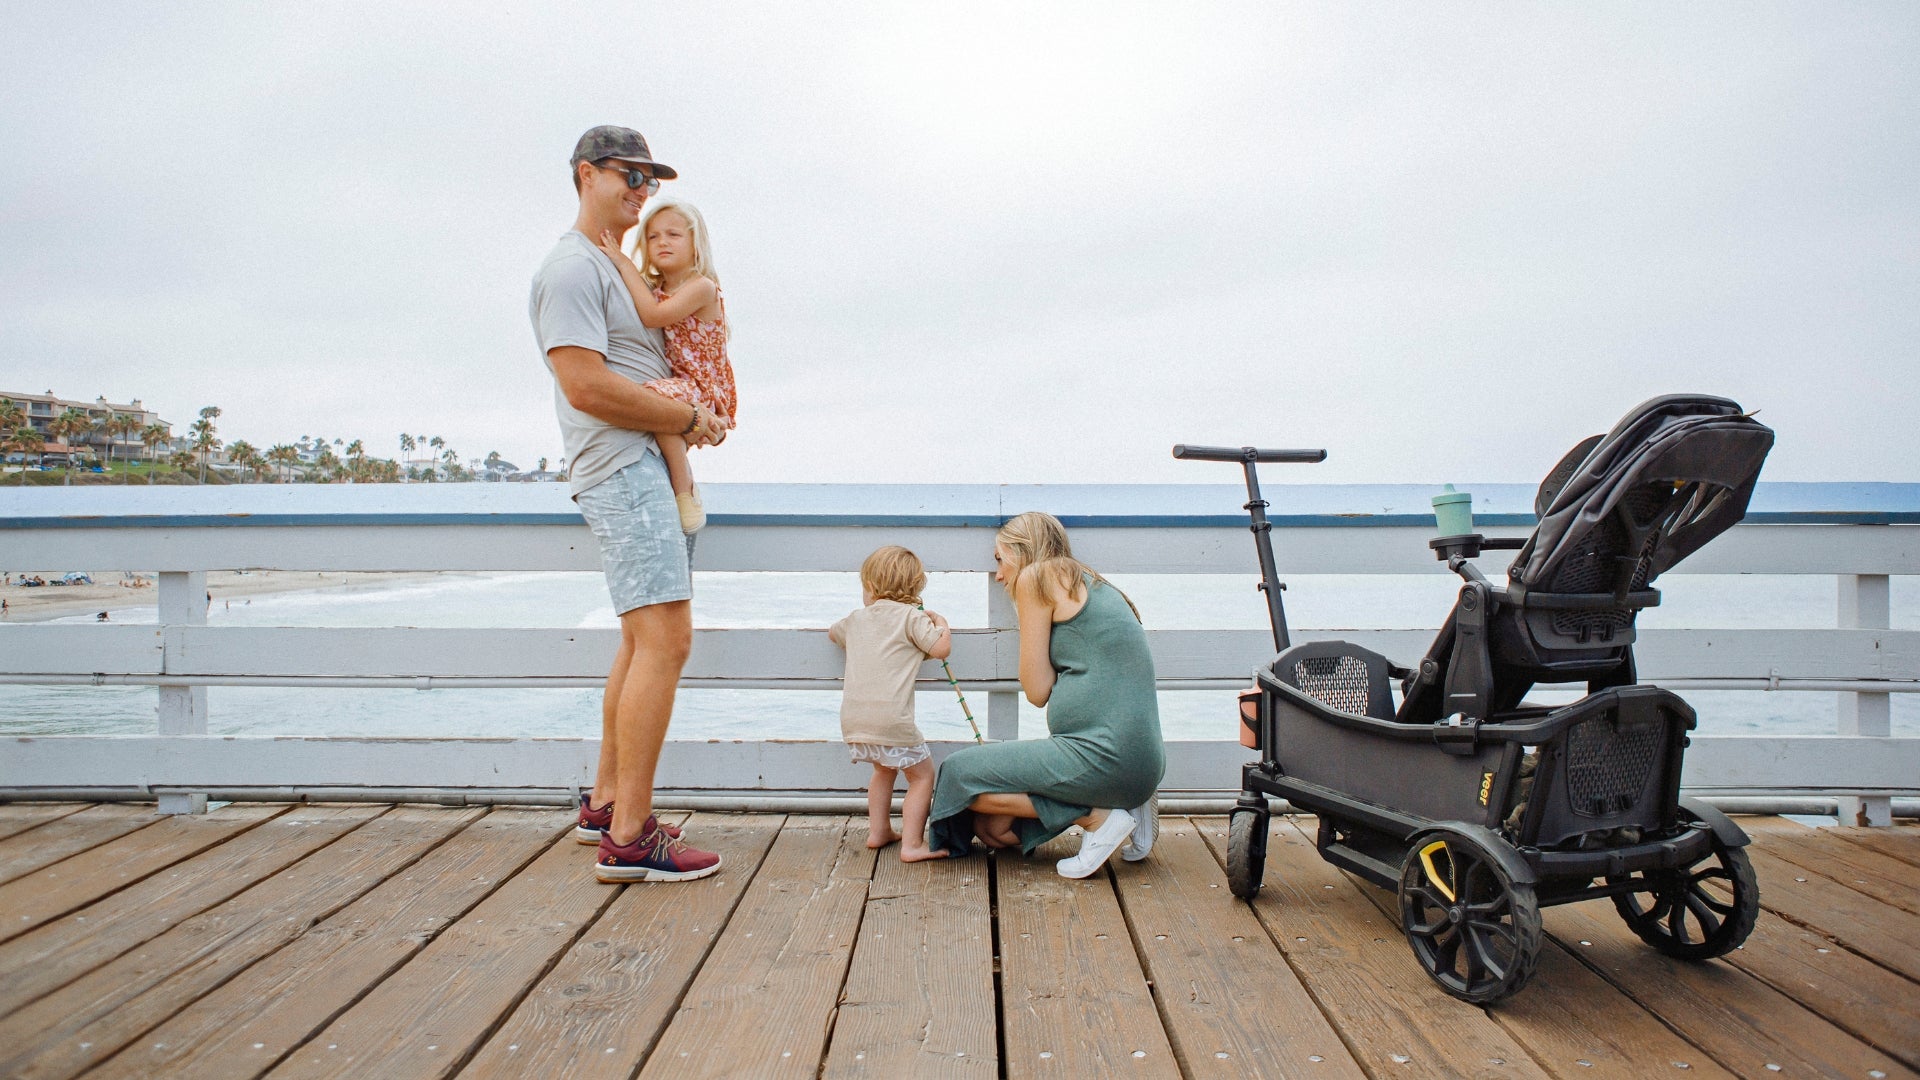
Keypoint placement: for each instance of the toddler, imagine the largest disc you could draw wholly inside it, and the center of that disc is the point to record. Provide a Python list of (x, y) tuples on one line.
[(886, 641), (676, 290)]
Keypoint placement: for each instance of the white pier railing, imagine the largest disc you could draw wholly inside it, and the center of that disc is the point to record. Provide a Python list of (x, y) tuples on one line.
[(1862, 534)]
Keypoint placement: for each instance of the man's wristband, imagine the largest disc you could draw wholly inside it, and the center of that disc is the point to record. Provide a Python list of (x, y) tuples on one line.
[(692, 422)]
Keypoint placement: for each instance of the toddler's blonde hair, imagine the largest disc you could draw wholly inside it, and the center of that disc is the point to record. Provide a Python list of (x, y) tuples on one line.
[(894, 573)]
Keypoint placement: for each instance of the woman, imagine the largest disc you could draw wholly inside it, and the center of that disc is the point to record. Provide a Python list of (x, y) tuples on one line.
[(1083, 654)]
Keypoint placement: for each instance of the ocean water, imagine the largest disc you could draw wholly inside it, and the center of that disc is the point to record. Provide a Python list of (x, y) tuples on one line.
[(774, 600)]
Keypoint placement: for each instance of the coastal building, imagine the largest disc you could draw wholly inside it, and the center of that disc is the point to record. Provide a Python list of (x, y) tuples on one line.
[(42, 409)]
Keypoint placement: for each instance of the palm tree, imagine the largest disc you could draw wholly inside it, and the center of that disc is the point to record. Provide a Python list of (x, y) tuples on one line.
[(27, 441), (327, 465), (153, 435), (283, 457), (204, 442), (119, 426), (11, 414), (543, 464), (242, 453), (67, 427)]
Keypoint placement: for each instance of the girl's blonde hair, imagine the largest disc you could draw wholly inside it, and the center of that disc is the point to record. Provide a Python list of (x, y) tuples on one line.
[(894, 573), (696, 226), (1038, 542)]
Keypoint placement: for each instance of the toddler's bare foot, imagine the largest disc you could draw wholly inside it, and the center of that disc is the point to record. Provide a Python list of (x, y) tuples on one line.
[(877, 840), (909, 853)]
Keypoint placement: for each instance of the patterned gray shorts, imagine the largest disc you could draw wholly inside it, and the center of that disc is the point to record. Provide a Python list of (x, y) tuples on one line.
[(647, 559), (889, 757)]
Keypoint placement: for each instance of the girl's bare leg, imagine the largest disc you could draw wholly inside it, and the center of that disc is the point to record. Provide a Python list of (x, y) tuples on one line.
[(673, 451), (880, 809), (913, 814)]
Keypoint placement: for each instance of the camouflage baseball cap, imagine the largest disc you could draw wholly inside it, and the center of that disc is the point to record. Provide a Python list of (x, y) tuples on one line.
[(613, 141)]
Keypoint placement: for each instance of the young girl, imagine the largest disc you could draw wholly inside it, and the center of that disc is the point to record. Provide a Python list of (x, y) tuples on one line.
[(676, 289), (886, 640)]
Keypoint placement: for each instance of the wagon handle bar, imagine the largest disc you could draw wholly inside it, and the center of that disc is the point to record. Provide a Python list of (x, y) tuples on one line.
[(1270, 583), (1248, 453)]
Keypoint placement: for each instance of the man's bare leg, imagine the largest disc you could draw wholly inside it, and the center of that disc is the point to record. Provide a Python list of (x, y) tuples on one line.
[(654, 641), (604, 783)]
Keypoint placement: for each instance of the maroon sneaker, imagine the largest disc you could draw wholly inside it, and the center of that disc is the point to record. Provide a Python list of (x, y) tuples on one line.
[(595, 823), (656, 856)]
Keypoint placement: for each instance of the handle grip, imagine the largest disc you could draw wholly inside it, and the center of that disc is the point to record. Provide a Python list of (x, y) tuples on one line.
[(1247, 453)]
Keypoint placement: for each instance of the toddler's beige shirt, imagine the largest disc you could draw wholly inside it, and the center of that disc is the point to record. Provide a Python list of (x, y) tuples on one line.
[(886, 642)]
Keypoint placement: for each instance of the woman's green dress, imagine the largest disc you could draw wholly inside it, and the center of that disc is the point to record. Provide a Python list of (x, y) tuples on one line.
[(1105, 749)]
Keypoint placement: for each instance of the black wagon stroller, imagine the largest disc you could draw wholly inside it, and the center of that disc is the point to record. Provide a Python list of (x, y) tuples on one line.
[(1476, 806)]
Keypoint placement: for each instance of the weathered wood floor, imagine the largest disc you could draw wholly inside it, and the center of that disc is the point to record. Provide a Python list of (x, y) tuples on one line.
[(413, 941)]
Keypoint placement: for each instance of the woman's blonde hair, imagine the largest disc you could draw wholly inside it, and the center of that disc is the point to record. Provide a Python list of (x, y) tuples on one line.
[(894, 573), (1038, 542), (696, 228)]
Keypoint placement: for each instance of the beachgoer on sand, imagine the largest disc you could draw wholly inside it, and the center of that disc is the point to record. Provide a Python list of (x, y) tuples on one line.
[(1083, 655), (677, 290), (886, 640), (600, 355)]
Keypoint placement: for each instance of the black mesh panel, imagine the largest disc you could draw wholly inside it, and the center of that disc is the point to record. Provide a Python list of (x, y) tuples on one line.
[(1338, 682), (1607, 764)]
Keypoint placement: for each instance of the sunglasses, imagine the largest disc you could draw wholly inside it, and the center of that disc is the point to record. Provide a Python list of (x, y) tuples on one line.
[(636, 179)]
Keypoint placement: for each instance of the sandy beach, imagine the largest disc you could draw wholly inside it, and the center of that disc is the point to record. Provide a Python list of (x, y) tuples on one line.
[(108, 591)]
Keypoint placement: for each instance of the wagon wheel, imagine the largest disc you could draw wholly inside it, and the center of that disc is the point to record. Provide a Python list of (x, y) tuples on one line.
[(1696, 912), (1246, 852), (1474, 930)]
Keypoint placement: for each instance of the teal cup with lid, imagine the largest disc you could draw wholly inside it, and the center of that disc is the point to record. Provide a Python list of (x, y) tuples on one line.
[(1453, 511)]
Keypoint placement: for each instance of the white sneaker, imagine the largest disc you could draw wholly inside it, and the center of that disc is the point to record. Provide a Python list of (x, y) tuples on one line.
[(1146, 829), (1096, 845)]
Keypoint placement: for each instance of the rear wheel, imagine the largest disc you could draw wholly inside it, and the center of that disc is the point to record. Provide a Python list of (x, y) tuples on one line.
[(1474, 930), (1696, 912), (1246, 851)]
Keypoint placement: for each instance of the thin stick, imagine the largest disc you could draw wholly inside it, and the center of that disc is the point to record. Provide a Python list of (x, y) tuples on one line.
[(955, 683)]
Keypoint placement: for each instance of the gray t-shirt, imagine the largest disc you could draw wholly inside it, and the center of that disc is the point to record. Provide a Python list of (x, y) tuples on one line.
[(579, 299)]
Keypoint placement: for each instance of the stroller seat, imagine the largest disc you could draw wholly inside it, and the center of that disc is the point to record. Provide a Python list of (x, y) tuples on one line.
[(1615, 513)]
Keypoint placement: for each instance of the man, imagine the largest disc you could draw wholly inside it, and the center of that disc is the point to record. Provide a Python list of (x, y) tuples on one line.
[(599, 354)]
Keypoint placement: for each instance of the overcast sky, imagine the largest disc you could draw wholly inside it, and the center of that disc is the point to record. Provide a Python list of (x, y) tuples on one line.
[(984, 242)]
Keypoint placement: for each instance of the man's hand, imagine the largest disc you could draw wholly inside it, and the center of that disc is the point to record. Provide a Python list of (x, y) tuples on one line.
[(709, 429)]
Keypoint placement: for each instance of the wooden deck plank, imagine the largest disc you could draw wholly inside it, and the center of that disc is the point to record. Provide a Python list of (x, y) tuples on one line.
[(70, 834), (53, 891), (1231, 1005), (1395, 1021), (1745, 1024), (1850, 991), (619, 984), (428, 1017), (86, 1021), (41, 961), (1074, 1001), (1856, 866), (763, 1003), (1900, 842), (1883, 933), (19, 817), (257, 1017), (919, 995)]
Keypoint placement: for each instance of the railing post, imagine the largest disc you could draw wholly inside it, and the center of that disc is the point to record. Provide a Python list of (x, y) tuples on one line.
[(1003, 707), (183, 709), (1865, 603)]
